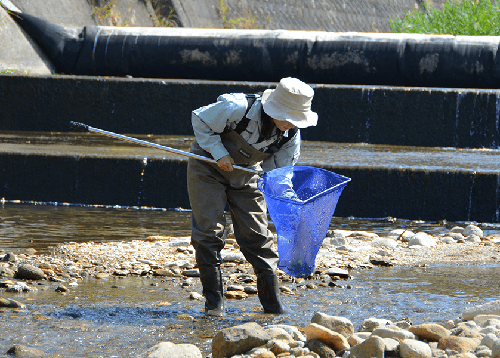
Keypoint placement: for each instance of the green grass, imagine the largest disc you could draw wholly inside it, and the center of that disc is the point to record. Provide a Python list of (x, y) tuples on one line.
[(462, 17)]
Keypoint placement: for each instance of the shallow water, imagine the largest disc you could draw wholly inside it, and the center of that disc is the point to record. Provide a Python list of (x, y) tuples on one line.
[(124, 317)]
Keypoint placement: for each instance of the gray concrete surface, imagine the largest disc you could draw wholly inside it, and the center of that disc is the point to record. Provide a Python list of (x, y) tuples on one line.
[(18, 53)]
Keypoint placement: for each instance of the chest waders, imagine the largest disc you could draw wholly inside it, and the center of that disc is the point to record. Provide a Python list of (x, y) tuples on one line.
[(210, 189)]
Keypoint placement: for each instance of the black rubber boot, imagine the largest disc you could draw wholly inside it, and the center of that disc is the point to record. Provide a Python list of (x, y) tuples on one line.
[(269, 292), (213, 288)]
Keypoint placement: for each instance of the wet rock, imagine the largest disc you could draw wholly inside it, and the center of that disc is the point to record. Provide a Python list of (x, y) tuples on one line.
[(338, 272), (102, 275), (238, 295), (292, 331), (169, 349), (191, 273), (238, 340), (195, 296), (430, 331), (410, 348), (320, 348), (251, 290), (459, 344), (23, 351), (278, 333), (380, 261), (29, 272), (62, 289), (8, 303), (233, 257), (490, 308), (373, 347), (337, 324), (333, 339)]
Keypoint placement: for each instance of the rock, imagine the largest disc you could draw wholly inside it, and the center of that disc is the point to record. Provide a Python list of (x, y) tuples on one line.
[(8, 303), (462, 331), (102, 275), (292, 331), (62, 289), (488, 340), (29, 272), (278, 333), (238, 295), (472, 230), (163, 273), (169, 349), (430, 331), (238, 340), (266, 354), (487, 320), (337, 324), (278, 346), (490, 308), (9, 257), (391, 347), (191, 273), (195, 296), (371, 323), (459, 344), (23, 351), (393, 332), (320, 348), (333, 339), (495, 349), (385, 242), (373, 347), (410, 348), (422, 239), (334, 271), (457, 229), (233, 257)]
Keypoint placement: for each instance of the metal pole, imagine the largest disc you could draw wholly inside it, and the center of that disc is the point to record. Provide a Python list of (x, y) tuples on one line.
[(85, 127)]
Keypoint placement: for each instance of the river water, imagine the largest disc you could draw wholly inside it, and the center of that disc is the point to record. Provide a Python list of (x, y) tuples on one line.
[(124, 317)]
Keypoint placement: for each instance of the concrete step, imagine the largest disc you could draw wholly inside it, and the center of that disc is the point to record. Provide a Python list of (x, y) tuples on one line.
[(387, 181)]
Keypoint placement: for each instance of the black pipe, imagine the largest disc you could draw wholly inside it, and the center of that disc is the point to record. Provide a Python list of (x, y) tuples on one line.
[(264, 55)]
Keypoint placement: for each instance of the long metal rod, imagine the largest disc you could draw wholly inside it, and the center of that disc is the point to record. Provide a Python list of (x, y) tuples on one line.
[(85, 127)]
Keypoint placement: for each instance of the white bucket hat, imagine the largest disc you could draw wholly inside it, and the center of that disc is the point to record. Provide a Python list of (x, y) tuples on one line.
[(291, 102)]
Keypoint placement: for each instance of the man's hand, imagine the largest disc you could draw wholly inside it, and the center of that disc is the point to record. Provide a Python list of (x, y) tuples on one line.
[(225, 163)]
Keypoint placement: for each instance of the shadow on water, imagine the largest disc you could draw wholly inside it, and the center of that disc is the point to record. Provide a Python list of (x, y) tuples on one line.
[(124, 317)]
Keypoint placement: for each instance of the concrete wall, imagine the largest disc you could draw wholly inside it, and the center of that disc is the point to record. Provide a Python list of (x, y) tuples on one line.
[(372, 193), (349, 114)]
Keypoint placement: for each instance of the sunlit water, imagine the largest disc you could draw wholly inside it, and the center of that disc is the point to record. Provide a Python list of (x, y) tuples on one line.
[(124, 317)]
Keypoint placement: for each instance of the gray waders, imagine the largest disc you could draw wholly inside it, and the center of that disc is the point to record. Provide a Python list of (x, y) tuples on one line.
[(210, 189)]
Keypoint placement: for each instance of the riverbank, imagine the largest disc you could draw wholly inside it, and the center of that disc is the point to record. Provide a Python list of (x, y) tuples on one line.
[(172, 258)]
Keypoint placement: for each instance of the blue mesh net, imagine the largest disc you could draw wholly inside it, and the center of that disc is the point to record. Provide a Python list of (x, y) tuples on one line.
[(301, 201)]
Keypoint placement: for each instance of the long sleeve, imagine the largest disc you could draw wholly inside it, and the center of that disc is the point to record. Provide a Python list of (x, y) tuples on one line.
[(209, 121)]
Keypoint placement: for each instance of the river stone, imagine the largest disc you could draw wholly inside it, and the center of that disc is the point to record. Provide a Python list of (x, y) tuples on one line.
[(191, 273), (410, 348), (495, 349), (169, 349), (422, 239), (333, 339), (6, 272), (430, 331), (472, 230), (238, 340), (371, 323), (459, 344), (487, 320), (292, 331), (9, 257), (385, 242), (29, 272), (335, 271), (23, 351), (320, 348), (467, 332), (8, 303), (391, 347), (337, 324), (278, 346), (373, 347), (393, 332), (278, 333), (489, 340), (490, 308)]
